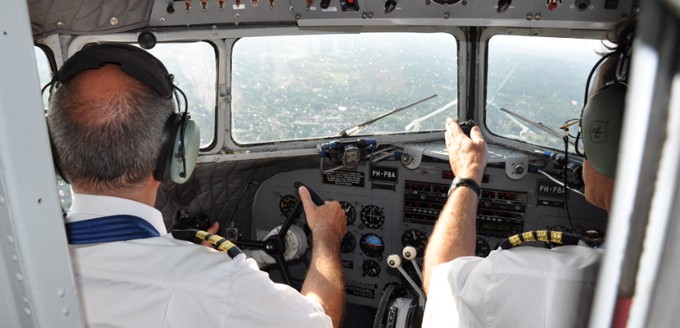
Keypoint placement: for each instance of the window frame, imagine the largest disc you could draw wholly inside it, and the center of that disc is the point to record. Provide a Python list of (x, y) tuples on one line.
[(49, 57), (223, 41), (308, 146)]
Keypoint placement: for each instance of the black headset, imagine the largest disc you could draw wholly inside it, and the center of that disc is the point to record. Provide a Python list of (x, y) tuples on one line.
[(602, 116), (181, 138)]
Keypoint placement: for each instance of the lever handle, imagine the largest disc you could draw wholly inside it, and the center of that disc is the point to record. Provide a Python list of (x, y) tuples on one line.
[(317, 200)]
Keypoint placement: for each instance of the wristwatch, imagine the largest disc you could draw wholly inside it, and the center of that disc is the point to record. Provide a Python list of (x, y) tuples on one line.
[(462, 182)]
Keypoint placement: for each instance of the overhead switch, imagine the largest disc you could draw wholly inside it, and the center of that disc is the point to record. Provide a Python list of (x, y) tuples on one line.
[(349, 5)]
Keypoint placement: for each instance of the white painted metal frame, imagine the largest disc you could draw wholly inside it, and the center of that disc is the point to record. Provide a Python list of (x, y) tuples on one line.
[(640, 246), (657, 295), (36, 278)]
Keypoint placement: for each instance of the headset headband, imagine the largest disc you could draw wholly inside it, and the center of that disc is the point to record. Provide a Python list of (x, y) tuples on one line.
[(133, 61)]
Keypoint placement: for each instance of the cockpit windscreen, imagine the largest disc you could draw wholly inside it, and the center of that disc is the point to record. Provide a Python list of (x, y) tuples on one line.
[(302, 87)]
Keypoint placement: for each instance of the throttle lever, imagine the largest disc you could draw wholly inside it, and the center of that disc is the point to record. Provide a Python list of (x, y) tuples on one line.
[(317, 200)]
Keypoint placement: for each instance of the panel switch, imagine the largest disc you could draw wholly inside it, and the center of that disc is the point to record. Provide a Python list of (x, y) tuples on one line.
[(349, 5)]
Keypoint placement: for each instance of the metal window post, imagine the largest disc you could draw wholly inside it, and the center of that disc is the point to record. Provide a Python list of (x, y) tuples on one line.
[(36, 279)]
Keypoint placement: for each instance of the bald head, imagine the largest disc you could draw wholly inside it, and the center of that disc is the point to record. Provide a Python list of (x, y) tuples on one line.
[(107, 128), (103, 95)]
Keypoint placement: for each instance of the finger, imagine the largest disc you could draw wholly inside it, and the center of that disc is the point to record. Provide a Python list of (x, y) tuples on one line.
[(214, 228), (476, 134), (452, 125), (452, 130), (306, 198)]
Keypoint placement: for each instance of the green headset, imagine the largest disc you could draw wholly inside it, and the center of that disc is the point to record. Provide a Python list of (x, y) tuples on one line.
[(181, 137), (602, 117)]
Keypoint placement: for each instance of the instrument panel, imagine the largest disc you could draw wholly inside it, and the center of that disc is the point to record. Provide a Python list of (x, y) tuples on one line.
[(389, 206)]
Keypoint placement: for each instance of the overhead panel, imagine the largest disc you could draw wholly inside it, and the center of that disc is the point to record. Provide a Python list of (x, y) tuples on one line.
[(584, 14), (220, 12), (542, 13)]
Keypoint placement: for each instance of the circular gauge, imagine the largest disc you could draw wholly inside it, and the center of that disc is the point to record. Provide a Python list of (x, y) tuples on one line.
[(350, 212), (415, 238), (372, 216), (370, 268), (287, 204), (482, 249), (372, 245), (348, 243)]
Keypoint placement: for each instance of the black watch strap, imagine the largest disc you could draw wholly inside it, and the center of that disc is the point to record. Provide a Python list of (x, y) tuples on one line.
[(461, 182)]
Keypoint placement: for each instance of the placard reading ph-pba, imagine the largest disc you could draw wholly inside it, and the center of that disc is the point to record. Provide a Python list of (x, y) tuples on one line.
[(549, 188), (384, 173)]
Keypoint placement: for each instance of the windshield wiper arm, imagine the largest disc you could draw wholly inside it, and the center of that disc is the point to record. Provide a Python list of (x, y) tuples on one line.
[(416, 123), (351, 130), (534, 123)]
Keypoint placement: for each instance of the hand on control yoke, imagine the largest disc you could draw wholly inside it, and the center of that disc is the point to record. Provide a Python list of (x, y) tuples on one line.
[(327, 221), (467, 155)]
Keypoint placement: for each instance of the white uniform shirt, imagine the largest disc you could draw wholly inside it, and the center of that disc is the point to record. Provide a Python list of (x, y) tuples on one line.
[(163, 282), (520, 287)]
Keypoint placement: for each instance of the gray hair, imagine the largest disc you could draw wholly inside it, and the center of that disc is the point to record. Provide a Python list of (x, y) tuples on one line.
[(112, 142)]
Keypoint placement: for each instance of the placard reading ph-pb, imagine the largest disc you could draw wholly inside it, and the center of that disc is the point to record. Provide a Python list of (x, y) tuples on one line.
[(549, 188), (384, 173)]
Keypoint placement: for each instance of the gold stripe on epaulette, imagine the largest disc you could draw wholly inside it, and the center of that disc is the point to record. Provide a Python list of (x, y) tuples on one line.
[(556, 237), (515, 240)]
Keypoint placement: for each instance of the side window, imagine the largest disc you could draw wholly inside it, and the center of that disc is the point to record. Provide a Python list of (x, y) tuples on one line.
[(537, 81), (194, 66), (44, 72)]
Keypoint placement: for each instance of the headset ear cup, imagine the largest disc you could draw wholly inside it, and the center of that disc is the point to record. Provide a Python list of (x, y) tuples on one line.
[(168, 142), (187, 161), (601, 122), (57, 162)]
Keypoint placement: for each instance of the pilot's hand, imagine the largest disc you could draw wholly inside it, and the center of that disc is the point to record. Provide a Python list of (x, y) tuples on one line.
[(327, 222), (213, 230), (467, 156)]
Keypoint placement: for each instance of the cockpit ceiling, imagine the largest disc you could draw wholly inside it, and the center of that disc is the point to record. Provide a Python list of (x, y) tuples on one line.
[(87, 16), (104, 17)]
